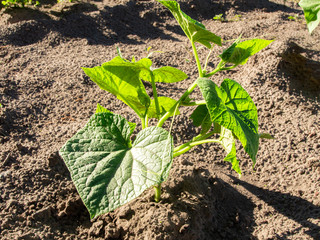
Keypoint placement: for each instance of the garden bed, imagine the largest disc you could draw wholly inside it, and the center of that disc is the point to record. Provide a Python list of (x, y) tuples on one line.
[(47, 98)]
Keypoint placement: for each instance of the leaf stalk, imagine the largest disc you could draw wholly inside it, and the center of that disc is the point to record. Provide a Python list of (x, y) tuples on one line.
[(187, 146), (195, 53), (155, 96), (178, 103)]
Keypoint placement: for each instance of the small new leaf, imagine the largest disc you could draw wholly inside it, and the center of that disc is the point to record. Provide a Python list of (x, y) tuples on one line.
[(239, 53), (266, 136), (193, 29), (106, 170), (311, 10)]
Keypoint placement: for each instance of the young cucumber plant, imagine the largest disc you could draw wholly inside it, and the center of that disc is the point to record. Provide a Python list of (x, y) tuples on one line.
[(109, 170)]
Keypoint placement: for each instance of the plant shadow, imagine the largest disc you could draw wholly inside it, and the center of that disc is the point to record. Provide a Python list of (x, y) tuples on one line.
[(294, 208), (207, 9), (302, 71), (119, 23), (216, 210)]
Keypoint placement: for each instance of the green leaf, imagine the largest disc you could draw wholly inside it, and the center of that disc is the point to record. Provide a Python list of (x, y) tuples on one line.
[(239, 53), (165, 104), (101, 109), (311, 10), (106, 170), (122, 79), (168, 75), (228, 142), (201, 117), (232, 107), (266, 136), (194, 30)]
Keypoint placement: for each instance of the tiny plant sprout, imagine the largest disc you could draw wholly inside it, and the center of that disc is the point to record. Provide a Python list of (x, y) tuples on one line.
[(109, 169)]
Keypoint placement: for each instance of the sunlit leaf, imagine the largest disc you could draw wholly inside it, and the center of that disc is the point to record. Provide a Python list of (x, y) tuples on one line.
[(193, 29), (107, 170)]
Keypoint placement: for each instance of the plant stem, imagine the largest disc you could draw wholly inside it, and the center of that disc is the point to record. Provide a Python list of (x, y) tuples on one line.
[(187, 93), (197, 59), (157, 194), (195, 139), (189, 145), (155, 95), (220, 67), (143, 123), (207, 60), (182, 98), (196, 103)]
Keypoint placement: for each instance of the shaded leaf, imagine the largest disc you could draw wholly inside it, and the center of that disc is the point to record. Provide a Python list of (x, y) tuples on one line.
[(201, 117), (239, 53), (231, 107)]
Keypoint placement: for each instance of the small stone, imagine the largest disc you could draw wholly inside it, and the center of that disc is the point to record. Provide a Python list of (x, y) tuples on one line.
[(5, 174)]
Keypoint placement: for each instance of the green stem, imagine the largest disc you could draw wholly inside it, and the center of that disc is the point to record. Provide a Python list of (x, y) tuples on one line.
[(200, 137), (155, 96), (207, 60), (157, 193), (182, 98), (143, 123), (220, 68), (229, 68), (190, 145), (196, 103), (197, 58)]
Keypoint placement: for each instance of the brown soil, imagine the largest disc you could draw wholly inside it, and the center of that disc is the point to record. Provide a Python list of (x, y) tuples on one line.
[(46, 98)]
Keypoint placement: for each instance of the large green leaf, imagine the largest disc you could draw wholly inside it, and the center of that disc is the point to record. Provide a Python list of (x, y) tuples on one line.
[(106, 170), (194, 30), (228, 142), (123, 79), (168, 75), (239, 53), (311, 10), (231, 107), (165, 104), (201, 117)]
